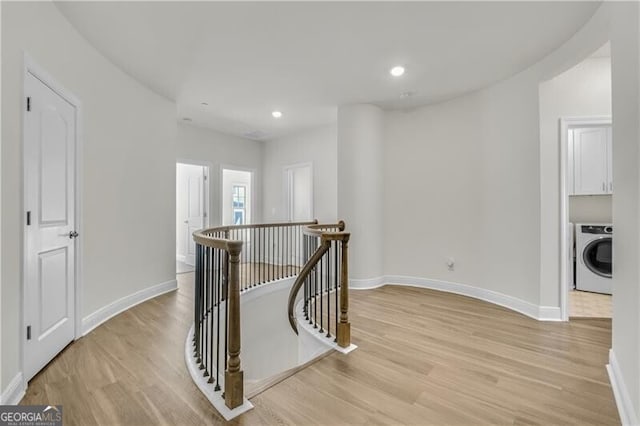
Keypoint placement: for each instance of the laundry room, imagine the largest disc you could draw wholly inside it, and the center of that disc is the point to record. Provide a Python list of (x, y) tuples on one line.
[(578, 103)]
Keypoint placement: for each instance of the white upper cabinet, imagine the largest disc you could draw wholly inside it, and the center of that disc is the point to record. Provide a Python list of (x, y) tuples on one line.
[(590, 161)]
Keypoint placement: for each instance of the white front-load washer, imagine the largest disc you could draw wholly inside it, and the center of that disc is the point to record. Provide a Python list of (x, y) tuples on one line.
[(594, 257)]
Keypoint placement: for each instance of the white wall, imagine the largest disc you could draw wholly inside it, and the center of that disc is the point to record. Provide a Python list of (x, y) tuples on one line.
[(625, 55), (360, 192), (316, 146), (468, 172), (128, 154), (217, 150)]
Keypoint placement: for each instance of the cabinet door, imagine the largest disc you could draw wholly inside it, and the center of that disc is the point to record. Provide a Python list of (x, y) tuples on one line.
[(590, 160), (609, 161)]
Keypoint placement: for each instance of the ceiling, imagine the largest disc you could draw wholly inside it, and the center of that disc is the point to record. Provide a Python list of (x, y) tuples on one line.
[(246, 59)]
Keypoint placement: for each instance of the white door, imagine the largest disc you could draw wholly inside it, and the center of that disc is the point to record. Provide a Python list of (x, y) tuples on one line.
[(590, 157), (191, 207), (50, 138), (299, 193)]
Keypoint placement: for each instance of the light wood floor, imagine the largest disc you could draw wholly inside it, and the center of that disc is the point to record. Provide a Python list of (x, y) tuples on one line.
[(424, 357), (583, 304)]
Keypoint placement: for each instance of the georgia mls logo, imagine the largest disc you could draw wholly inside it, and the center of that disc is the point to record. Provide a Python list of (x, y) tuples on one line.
[(30, 415)]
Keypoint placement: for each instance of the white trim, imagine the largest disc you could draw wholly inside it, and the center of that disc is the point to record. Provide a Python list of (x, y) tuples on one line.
[(565, 124), (107, 312), (30, 66), (14, 392), (181, 258), (254, 193), (215, 398), (549, 313), (540, 313), (367, 283), (628, 416)]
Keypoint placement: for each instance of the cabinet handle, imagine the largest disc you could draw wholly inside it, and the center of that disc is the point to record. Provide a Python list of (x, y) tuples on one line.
[(604, 188)]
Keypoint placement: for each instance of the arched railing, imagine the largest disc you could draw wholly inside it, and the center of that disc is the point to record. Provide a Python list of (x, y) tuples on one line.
[(324, 280), (229, 261)]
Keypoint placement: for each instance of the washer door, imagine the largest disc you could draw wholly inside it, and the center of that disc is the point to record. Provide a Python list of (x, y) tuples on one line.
[(597, 256)]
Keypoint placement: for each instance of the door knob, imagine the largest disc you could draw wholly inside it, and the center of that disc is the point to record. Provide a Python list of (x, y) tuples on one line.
[(73, 234)]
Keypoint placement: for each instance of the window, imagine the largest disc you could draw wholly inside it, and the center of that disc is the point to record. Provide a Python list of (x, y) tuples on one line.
[(239, 204)]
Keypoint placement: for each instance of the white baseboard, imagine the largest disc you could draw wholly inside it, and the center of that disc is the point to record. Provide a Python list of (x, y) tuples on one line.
[(541, 313), (627, 413), (367, 283), (549, 313), (14, 391), (105, 313)]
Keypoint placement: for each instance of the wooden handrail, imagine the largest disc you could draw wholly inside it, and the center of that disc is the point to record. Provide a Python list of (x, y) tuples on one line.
[(320, 231), (220, 278), (302, 276), (204, 234)]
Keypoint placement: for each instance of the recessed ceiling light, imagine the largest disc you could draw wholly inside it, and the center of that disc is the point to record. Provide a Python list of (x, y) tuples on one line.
[(204, 103), (276, 114), (407, 94), (397, 71), (187, 119)]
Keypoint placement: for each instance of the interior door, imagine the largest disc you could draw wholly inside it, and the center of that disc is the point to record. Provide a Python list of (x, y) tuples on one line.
[(50, 138), (191, 205)]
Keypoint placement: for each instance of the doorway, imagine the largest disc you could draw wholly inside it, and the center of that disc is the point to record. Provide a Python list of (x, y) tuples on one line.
[(299, 192), (192, 210), (237, 196), (587, 156), (51, 266)]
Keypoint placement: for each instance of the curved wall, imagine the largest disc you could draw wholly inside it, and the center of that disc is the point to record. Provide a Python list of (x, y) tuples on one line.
[(129, 171), (463, 180), (360, 179)]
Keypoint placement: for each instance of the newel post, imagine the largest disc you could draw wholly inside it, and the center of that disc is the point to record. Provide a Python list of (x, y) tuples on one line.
[(344, 327), (233, 378)]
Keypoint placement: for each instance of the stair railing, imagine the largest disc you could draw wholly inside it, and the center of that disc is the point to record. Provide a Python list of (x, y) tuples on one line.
[(325, 276), (229, 261)]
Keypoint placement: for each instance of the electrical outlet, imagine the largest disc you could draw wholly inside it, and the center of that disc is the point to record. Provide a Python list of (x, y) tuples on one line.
[(451, 263)]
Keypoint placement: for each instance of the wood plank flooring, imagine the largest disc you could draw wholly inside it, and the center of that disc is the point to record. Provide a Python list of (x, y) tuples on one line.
[(424, 357)]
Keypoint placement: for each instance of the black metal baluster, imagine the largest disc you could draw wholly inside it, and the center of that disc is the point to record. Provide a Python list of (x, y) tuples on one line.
[(322, 268), (329, 282), (211, 307), (226, 309), (218, 296), (206, 340), (337, 282), (196, 294), (315, 292)]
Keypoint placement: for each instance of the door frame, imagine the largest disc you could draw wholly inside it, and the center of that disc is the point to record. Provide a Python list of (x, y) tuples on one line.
[(567, 123), (285, 172), (31, 67), (254, 194), (206, 188)]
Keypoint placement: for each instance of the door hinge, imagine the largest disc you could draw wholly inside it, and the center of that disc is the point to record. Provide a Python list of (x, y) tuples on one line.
[(28, 218), (28, 332), (28, 103)]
